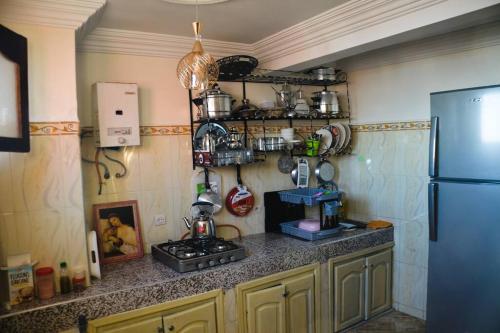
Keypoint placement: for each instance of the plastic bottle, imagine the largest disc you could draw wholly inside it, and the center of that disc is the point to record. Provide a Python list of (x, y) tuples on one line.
[(78, 279), (64, 280)]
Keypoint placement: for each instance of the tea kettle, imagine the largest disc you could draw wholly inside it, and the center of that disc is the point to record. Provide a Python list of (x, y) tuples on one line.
[(284, 97), (233, 139), (201, 225), (210, 142)]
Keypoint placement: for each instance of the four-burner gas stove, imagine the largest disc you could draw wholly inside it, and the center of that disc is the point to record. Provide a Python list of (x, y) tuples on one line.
[(194, 254)]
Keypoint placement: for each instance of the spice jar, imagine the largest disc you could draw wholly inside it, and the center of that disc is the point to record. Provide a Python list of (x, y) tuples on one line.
[(78, 279), (45, 282)]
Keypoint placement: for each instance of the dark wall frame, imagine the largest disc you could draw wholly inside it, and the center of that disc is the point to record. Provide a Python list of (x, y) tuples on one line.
[(15, 47)]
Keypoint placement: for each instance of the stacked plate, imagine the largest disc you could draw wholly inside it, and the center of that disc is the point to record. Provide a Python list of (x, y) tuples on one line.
[(335, 138)]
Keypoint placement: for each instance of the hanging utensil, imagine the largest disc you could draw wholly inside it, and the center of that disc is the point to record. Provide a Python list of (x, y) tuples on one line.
[(286, 163), (284, 98), (239, 200), (210, 196), (300, 173), (324, 171)]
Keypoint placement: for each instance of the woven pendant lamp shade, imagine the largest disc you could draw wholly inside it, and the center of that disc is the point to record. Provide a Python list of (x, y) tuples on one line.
[(197, 69)]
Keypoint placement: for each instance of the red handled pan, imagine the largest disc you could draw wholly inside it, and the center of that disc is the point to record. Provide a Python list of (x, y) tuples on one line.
[(239, 200)]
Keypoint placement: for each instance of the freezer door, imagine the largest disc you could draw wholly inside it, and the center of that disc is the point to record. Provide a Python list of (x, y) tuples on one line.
[(464, 261), (465, 138)]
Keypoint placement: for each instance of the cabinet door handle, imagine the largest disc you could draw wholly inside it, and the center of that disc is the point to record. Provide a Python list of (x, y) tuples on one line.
[(171, 328), (433, 147), (160, 330), (286, 293)]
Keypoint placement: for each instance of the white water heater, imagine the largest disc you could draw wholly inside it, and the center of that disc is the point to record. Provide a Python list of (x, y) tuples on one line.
[(116, 114)]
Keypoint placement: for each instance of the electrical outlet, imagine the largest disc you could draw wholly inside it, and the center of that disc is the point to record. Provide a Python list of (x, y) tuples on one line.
[(160, 220)]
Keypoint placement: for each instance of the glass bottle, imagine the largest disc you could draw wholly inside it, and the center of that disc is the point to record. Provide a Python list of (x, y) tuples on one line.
[(64, 280)]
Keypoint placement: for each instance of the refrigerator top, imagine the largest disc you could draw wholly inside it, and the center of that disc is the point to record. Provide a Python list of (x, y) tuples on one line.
[(465, 135)]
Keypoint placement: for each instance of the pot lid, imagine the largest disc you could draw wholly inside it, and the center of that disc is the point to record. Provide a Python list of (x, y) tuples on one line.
[(215, 90)]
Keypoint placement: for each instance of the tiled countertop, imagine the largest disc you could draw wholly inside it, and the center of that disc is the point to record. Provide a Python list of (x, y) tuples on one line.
[(145, 282)]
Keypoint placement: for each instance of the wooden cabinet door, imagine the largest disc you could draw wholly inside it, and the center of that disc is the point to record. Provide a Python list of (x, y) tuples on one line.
[(143, 325), (349, 293), (197, 319), (266, 310), (300, 309), (379, 283)]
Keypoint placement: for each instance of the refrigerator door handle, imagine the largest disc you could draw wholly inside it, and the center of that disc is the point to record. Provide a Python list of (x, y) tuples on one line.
[(433, 147), (433, 210)]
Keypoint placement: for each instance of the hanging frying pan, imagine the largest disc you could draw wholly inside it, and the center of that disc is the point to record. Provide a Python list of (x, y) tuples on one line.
[(239, 200), (324, 171)]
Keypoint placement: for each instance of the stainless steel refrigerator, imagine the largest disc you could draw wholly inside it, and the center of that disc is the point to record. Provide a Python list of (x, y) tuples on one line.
[(463, 292)]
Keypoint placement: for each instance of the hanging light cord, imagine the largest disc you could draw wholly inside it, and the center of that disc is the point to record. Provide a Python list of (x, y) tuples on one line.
[(196, 10)]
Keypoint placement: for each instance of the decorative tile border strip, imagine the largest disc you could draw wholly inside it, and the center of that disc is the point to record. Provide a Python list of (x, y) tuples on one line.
[(274, 130), (54, 128), (165, 130), (399, 126), (160, 130)]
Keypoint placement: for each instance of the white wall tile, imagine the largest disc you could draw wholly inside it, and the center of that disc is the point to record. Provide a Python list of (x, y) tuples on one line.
[(38, 176), (47, 216), (6, 200), (413, 248), (412, 286)]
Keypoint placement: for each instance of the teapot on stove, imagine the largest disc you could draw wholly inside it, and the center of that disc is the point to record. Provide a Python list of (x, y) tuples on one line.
[(201, 224)]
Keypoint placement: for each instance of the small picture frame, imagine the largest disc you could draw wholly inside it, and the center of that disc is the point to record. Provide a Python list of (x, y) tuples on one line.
[(118, 230)]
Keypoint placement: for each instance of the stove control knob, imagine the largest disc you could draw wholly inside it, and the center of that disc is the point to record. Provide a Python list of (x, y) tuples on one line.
[(222, 260), (200, 265), (211, 263), (232, 258)]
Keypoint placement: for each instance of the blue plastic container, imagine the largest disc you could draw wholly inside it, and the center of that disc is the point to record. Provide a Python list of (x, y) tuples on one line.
[(291, 228), (331, 208), (308, 196)]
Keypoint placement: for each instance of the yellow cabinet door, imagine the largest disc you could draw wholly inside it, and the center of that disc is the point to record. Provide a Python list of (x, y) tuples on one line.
[(266, 310), (379, 284), (196, 319), (143, 325), (300, 311), (349, 293)]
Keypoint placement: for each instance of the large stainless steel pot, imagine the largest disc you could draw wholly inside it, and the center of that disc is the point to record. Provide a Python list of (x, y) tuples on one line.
[(215, 103), (326, 101)]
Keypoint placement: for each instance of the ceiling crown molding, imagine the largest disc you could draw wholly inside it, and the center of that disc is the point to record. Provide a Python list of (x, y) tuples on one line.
[(71, 14), (486, 35), (336, 32), (104, 40), (337, 22)]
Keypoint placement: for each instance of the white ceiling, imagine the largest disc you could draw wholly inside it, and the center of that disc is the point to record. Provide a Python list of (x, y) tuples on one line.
[(244, 21)]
